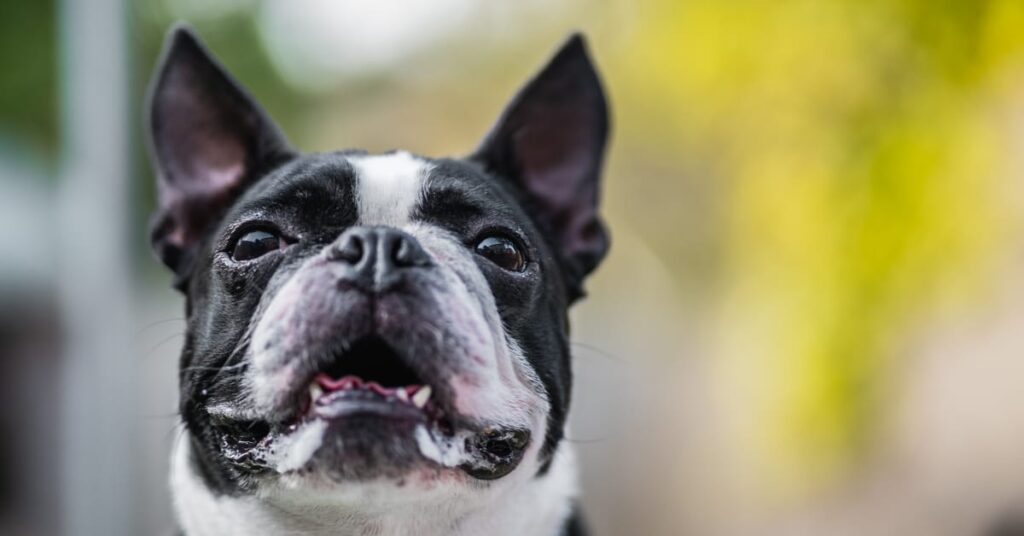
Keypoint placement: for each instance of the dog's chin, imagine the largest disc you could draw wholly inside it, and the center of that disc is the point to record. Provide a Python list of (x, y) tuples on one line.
[(362, 448), (361, 439)]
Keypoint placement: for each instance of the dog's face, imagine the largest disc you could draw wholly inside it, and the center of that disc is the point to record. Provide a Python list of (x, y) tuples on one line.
[(386, 319)]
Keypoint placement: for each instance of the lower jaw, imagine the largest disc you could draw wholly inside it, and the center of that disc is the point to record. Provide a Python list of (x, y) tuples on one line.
[(359, 442), (364, 448)]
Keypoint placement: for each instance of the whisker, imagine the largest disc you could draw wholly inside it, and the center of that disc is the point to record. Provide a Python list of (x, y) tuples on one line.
[(597, 351), (151, 352), (202, 368), (589, 441), (152, 325)]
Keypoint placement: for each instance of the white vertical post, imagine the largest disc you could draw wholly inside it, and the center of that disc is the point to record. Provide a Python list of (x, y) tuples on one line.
[(95, 286)]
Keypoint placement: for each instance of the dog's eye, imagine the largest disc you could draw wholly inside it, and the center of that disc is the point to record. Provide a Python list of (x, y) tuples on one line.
[(503, 252), (256, 244)]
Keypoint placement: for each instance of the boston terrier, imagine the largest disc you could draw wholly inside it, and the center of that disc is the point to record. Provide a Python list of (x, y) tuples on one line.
[(376, 343)]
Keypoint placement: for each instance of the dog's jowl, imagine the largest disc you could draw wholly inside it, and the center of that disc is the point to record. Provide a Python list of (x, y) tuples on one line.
[(376, 343)]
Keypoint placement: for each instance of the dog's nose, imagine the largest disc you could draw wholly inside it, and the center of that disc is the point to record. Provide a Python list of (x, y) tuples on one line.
[(377, 256)]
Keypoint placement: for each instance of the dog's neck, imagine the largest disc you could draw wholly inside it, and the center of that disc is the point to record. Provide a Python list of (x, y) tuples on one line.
[(537, 506)]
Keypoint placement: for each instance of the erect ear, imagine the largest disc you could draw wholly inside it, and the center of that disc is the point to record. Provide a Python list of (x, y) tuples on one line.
[(550, 142), (209, 140)]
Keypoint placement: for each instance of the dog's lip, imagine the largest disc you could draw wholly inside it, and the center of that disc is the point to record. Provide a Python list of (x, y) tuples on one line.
[(348, 405)]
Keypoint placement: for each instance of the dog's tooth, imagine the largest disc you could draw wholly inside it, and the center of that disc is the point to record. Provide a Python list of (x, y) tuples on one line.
[(421, 397), (315, 391), (401, 394)]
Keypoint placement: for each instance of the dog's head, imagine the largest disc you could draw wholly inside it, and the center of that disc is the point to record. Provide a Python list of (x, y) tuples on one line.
[(384, 318)]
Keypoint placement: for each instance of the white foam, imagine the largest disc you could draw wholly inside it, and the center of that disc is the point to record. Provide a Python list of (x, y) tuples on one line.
[(294, 451), (448, 452)]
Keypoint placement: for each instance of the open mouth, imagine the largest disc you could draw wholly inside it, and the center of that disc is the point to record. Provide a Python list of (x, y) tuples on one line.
[(370, 378), (366, 412)]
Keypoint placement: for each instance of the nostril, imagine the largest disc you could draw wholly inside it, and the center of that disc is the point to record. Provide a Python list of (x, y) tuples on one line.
[(350, 250), (400, 252), (406, 253)]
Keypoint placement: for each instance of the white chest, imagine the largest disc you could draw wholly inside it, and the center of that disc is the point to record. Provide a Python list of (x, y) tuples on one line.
[(535, 506)]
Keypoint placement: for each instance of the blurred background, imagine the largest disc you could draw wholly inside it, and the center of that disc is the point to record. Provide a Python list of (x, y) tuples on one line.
[(811, 322)]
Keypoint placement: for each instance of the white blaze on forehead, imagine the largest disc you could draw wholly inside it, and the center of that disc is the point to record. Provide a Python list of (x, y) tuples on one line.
[(388, 186)]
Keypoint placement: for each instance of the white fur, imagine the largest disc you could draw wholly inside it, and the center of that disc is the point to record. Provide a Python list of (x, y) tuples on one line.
[(388, 186), (535, 506), (511, 392)]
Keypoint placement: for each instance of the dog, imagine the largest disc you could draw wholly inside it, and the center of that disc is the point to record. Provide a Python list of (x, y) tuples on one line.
[(375, 343)]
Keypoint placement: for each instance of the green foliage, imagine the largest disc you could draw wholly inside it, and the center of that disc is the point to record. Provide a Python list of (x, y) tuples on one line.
[(28, 87)]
